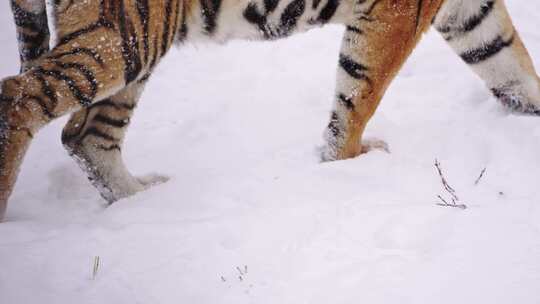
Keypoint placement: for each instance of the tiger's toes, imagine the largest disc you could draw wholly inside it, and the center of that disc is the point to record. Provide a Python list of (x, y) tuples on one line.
[(517, 102), (519, 107), (327, 153), (151, 180), (130, 187), (371, 144)]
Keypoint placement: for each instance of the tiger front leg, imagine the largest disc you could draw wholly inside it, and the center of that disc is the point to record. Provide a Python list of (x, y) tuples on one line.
[(375, 45), (72, 76), (18, 122)]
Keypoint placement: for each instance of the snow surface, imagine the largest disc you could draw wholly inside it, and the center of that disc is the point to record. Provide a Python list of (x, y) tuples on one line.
[(236, 128)]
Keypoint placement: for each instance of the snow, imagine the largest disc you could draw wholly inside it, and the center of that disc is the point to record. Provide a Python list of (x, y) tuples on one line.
[(251, 216)]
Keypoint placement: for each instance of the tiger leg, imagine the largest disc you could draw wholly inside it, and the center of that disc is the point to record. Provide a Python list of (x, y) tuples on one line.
[(78, 72), (481, 32), (32, 30), (374, 47), (94, 137)]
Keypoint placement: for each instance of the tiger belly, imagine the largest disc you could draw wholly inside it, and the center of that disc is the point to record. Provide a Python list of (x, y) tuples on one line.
[(221, 21)]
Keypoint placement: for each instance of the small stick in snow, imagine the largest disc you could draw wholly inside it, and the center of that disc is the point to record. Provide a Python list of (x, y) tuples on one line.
[(480, 177), (446, 204), (447, 186), (449, 189), (239, 270), (96, 267)]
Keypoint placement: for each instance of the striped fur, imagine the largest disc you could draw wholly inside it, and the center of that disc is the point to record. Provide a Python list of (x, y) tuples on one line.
[(107, 49)]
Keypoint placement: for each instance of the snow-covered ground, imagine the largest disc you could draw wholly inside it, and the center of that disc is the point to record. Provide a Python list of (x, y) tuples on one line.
[(251, 216)]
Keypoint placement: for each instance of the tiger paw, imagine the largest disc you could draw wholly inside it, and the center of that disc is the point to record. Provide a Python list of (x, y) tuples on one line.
[(371, 144), (123, 188), (151, 180), (517, 102), (328, 153)]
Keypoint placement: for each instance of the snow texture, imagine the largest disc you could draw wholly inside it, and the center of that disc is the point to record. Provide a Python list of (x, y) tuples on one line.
[(251, 216)]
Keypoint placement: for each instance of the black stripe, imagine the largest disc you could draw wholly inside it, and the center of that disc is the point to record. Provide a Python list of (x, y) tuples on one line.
[(83, 99), (486, 51), (34, 39), (333, 125), (86, 72), (4, 98), (155, 58), (289, 17), (57, 3), (33, 31), (175, 29), (353, 68), (144, 78), (270, 5), (77, 51), (47, 91), (35, 22), (419, 4), (42, 104), (113, 147), (328, 11), (87, 29), (68, 137), (118, 123), (183, 31), (346, 101), (471, 23), (354, 29), (166, 28), (112, 104), (252, 15), (365, 14), (475, 21), (93, 131), (130, 43), (210, 11), (144, 17)]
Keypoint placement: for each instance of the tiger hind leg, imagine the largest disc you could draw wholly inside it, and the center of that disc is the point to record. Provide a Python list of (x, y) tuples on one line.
[(483, 35), (94, 136), (32, 30), (375, 46)]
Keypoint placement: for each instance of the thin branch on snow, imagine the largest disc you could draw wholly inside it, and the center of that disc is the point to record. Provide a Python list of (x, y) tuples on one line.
[(95, 268), (449, 189), (453, 204), (480, 177), (239, 270)]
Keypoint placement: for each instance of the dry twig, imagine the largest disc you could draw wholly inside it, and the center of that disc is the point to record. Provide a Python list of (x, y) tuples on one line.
[(480, 177), (449, 189), (95, 268)]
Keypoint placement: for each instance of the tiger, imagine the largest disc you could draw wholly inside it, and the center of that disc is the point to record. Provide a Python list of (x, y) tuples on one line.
[(106, 50)]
